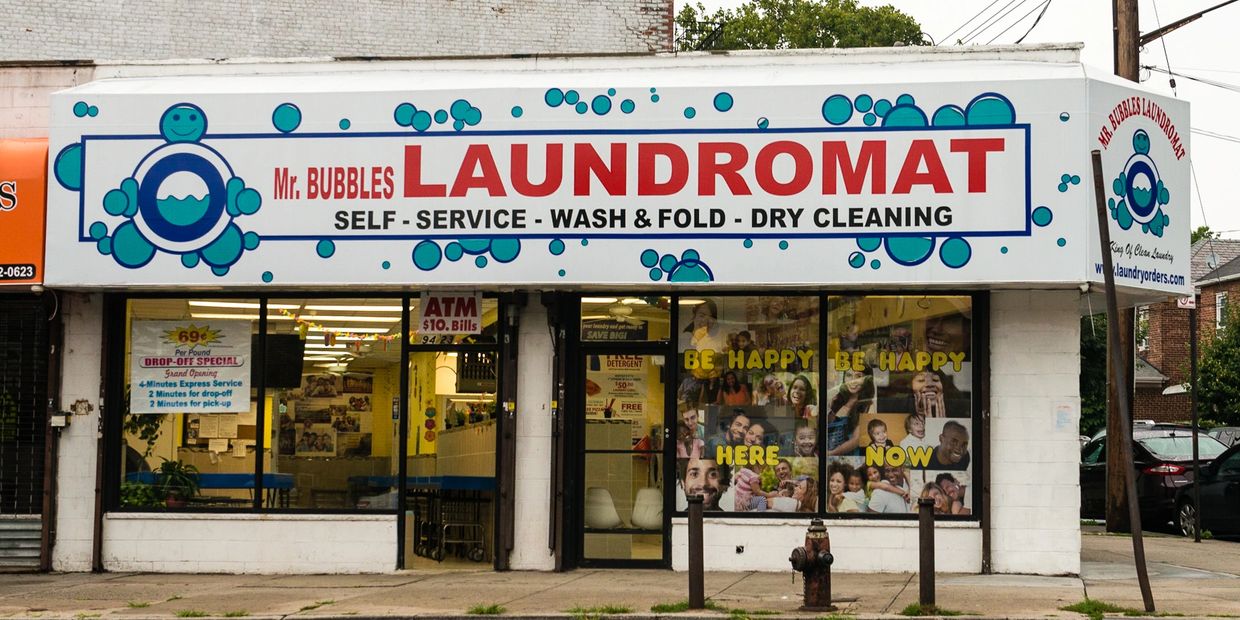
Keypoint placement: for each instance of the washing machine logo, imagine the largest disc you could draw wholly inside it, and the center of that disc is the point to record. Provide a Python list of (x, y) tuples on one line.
[(182, 199), (1140, 194)]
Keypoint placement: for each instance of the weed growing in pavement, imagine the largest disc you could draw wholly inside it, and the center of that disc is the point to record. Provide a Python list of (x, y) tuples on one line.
[(675, 608), (843, 615), (745, 614), (240, 613), (191, 613), (1094, 609), (137, 604), (916, 609), (598, 610), (316, 605), (493, 609), (83, 616)]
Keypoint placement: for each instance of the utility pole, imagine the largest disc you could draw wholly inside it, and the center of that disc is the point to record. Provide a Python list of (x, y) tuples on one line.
[(1127, 37)]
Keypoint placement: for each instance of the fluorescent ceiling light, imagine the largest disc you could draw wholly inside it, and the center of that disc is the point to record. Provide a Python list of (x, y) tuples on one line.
[(349, 328), (692, 302), (229, 315), (324, 346), (348, 319), (632, 301), (318, 358), (598, 300), (355, 308), (238, 304)]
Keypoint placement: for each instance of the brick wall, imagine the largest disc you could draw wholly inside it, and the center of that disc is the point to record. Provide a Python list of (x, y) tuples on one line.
[(172, 29), (24, 96)]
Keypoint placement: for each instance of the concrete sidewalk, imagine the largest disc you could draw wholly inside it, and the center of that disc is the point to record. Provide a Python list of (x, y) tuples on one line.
[(1189, 579)]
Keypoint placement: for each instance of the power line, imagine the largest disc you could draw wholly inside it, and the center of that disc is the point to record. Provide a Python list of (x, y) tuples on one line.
[(1035, 24), (1021, 19), (966, 22), (1163, 40), (1214, 134), (1215, 83), (1004, 11)]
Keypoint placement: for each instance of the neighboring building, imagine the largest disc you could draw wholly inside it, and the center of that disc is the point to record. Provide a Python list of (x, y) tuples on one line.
[(522, 308), (1163, 364)]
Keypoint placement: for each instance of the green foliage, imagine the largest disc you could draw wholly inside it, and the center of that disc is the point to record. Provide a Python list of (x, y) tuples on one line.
[(176, 479), (138, 604), (1095, 609), (789, 24), (486, 610), (1219, 373), (598, 611), (241, 613), (916, 609), (1093, 373), (1202, 232), (138, 495), (191, 613)]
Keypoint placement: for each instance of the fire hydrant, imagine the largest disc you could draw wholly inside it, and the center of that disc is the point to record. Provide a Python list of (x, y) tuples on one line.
[(814, 561)]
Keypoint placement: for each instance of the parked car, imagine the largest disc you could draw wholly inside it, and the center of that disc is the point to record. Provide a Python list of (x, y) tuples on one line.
[(1220, 497), (1164, 462), (1227, 435)]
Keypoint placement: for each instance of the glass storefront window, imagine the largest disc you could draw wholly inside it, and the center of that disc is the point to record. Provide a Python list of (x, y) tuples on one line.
[(747, 403), (899, 408), (190, 408), (634, 318)]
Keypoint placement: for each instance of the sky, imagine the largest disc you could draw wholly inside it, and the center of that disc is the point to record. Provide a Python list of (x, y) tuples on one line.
[(1203, 49)]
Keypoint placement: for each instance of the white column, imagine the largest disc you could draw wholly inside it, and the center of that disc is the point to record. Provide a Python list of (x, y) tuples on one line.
[(533, 475), (81, 369)]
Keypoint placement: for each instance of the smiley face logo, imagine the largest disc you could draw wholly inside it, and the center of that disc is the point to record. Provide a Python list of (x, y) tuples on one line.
[(1140, 193), (183, 122)]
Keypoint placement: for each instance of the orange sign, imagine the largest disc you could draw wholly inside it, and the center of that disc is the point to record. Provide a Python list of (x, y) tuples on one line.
[(23, 205)]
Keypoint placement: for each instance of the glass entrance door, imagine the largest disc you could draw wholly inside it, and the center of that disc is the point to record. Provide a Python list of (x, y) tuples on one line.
[(623, 516)]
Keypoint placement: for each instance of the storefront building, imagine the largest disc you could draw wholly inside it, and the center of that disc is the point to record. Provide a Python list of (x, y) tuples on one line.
[(515, 311)]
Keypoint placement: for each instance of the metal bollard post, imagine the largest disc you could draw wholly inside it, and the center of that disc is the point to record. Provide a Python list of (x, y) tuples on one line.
[(697, 589), (925, 522)]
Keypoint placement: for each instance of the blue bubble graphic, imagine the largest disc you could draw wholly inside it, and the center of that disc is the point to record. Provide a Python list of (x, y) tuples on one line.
[(649, 258), (990, 109), (690, 271), (869, 119), (1064, 116), (654, 98), (345, 124), (882, 107), (80, 109), (723, 102), (856, 260), (905, 116), (458, 125), (1042, 216), (582, 108), (1003, 250), (129, 247), (783, 245), (267, 276), (837, 109), (611, 92), (505, 250), (748, 243), (190, 260), (562, 273), (426, 255), (250, 240), (905, 99), (875, 264), (104, 246), (92, 111), (690, 255), (1061, 242), (403, 114), (459, 108), (517, 111), (601, 105), (441, 116), (955, 252), (554, 97), (556, 247), (690, 112), (652, 90), (572, 97), (421, 120), (286, 117), (480, 261), (627, 106), (864, 103), (763, 123), (585, 242), (387, 264), (453, 251), (68, 167), (656, 274), (869, 244), (948, 116), (1063, 187), (473, 117), (475, 246), (98, 230), (909, 251), (325, 248), (668, 262)]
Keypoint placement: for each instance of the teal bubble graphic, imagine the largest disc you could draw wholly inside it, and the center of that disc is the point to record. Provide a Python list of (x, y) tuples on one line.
[(1141, 142), (458, 125), (864, 103), (690, 271), (345, 124), (225, 250), (104, 246), (611, 92), (909, 251), (473, 117), (556, 247), (129, 247), (562, 273), (905, 99), (505, 250), (948, 116), (1064, 116), (250, 240), (585, 242), (182, 211), (601, 105), (387, 264), (656, 274), (421, 120), (286, 117), (649, 258), (1061, 242), (654, 98), (80, 109), (627, 106), (875, 264), (1042, 216), (190, 260), (441, 116), (92, 111), (426, 255), (990, 109), (325, 248), (869, 119), (882, 107), (856, 260), (667, 263), (652, 90), (748, 243), (869, 244), (267, 276), (783, 245), (582, 108), (837, 109), (475, 246), (459, 108), (905, 116), (183, 122), (1003, 250), (553, 97), (98, 230), (723, 102), (572, 97), (453, 251), (517, 111), (403, 114), (68, 167), (763, 123), (690, 112), (955, 252), (480, 261)]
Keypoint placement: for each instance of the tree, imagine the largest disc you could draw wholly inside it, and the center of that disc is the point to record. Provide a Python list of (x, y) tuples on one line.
[(1202, 232), (1219, 373), (787, 24), (1093, 373)]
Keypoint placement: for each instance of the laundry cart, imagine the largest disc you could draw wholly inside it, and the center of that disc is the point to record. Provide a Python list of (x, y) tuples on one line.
[(451, 515)]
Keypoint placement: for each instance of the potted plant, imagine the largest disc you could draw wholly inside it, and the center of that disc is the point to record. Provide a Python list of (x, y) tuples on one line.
[(176, 482)]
